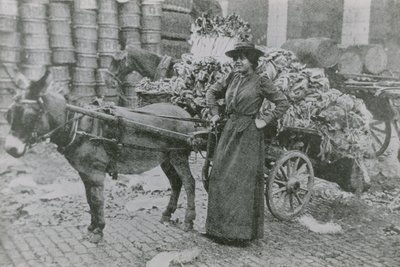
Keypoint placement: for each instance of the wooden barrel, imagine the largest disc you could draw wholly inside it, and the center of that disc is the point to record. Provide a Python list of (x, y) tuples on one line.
[(183, 6), (374, 58), (36, 56), (57, 27), (10, 39), (85, 17), (175, 25), (63, 56), (129, 7), (151, 37), (8, 23), (108, 18), (85, 32), (350, 62), (105, 60), (109, 5), (33, 72), (108, 45), (83, 89), (60, 73), (34, 26), (151, 8), (130, 36), (129, 21), (83, 75), (129, 86), (9, 8), (86, 60), (10, 54), (85, 5), (61, 41), (315, 52), (36, 41), (108, 31), (59, 10), (32, 11), (86, 46)]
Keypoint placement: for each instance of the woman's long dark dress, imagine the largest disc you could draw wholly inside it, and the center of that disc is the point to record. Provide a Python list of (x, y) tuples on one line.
[(236, 185)]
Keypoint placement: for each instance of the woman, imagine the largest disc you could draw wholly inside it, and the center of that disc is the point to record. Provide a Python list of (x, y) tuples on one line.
[(236, 184)]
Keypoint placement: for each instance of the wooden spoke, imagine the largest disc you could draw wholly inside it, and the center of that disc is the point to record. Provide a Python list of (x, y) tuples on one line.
[(280, 182), (280, 190), (284, 173), (291, 202), (288, 168), (296, 164), (376, 129), (298, 198), (376, 138)]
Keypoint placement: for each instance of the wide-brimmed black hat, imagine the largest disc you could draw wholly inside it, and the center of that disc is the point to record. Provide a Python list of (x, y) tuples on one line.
[(244, 47)]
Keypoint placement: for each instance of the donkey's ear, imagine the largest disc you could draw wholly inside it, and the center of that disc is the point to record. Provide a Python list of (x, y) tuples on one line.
[(39, 86), (17, 77)]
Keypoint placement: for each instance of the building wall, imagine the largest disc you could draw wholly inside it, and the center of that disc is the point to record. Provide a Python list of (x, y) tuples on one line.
[(256, 13), (346, 21)]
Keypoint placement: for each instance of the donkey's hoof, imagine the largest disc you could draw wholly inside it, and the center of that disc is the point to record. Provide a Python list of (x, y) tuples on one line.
[(165, 219), (91, 227), (96, 236), (188, 226)]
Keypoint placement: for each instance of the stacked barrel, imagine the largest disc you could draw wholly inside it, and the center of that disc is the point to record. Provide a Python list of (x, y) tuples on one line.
[(175, 27), (108, 44), (10, 55), (61, 43), (85, 40), (35, 39), (129, 86), (151, 25), (129, 22)]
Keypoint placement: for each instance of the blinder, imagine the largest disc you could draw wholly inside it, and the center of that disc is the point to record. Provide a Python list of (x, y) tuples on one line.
[(18, 108)]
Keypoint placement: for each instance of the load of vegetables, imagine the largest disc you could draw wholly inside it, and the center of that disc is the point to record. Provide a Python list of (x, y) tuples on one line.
[(341, 120)]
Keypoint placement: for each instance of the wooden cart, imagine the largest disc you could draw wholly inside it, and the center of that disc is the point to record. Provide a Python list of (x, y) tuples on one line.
[(382, 98), (291, 160)]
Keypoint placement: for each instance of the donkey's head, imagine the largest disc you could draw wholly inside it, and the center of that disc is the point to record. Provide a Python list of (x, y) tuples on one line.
[(26, 115), (115, 71)]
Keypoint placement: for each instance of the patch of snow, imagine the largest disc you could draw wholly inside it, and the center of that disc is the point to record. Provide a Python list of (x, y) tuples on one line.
[(62, 189), (146, 202), (164, 259), (317, 227), (151, 180), (23, 180)]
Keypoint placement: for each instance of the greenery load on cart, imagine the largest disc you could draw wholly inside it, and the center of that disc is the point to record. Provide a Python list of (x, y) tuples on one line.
[(342, 120), (218, 26)]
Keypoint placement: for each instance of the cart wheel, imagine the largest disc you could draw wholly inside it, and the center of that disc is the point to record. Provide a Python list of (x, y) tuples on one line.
[(381, 132), (290, 185)]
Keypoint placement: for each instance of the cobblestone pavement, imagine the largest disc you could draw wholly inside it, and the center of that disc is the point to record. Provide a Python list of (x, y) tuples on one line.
[(370, 236), (133, 242)]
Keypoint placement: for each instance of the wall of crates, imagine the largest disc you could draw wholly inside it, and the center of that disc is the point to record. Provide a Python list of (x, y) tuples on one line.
[(76, 39)]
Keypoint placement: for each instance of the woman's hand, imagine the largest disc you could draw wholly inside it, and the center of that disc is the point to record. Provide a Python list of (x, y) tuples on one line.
[(214, 119), (260, 123)]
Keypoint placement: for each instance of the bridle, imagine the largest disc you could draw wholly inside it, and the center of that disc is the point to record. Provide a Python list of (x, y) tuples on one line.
[(35, 137)]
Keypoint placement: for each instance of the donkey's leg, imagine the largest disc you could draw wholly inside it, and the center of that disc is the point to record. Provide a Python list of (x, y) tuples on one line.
[(87, 184), (180, 161), (94, 184), (176, 185)]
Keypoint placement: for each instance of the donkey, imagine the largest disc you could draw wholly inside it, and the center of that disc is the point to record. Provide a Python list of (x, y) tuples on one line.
[(40, 110)]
